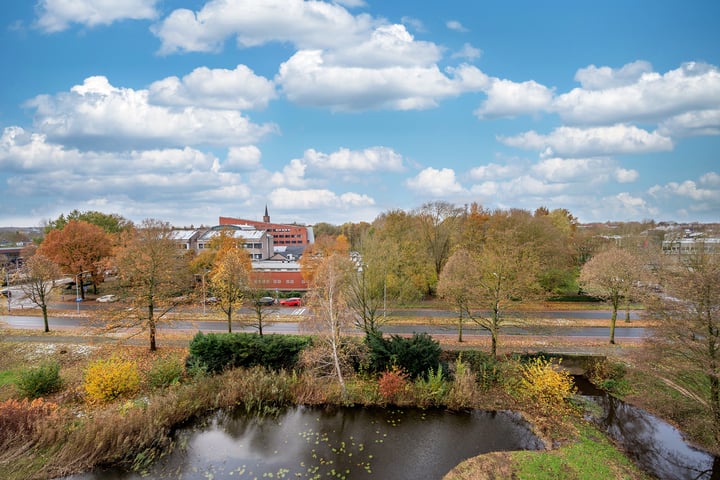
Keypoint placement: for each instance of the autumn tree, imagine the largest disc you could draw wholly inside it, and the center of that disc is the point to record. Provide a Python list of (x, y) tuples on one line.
[(315, 254), (152, 271), (78, 248), (393, 244), (229, 280), (688, 338), (328, 305), (110, 222), (40, 274), (507, 268), (437, 229), (458, 285), (610, 275)]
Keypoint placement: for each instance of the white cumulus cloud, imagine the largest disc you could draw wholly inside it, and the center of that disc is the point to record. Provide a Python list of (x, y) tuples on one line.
[(510, 99), (597, 141), (57, 15), (251, 22), (102, 116), (238, 89), (436, 183), (307, 79), (651, 97), (242, 158), (602, 78), (317, 198)]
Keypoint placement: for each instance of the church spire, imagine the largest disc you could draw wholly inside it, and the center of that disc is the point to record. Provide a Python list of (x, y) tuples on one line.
[(266, 217)]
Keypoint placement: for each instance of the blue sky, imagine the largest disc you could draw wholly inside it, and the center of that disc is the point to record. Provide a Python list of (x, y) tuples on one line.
[(334, 112)]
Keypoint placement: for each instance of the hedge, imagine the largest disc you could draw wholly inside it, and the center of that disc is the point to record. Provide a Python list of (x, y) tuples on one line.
[(218, 351)]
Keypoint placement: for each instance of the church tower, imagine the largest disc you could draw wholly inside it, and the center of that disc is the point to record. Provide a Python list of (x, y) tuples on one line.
[(266, 217)]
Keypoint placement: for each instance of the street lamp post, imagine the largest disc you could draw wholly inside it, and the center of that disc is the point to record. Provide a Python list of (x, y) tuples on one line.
[(9, 293), (78, 279), (202, 277)]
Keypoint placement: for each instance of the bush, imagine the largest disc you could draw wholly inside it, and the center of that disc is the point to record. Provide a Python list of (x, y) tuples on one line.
[(218, 351), (165, 372), (485, 367), (609, 376), (462, 392), (431, 391), (108, 379), (318, 359), (545, 385), (416, 355), (392, 384), (39, 381), (22, 422)]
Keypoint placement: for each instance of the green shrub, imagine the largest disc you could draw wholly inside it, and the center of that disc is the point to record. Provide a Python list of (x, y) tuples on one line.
[(416, 355), (485, 367), (108, 379), (610, 376), (431, 391), (165, 372), (39, 381), (218, 351)]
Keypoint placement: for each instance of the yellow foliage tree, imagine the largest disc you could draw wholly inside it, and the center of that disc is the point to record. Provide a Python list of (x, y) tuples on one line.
[(230, 278)]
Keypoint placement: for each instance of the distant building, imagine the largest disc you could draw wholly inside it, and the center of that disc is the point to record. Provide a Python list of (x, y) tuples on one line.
[(257, 243), (278, 276), (283, 234), (689, 245)]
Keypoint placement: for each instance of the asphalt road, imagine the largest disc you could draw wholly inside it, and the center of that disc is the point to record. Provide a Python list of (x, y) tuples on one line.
[(32, 322)]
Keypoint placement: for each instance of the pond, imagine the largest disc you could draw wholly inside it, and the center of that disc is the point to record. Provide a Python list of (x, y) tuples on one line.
[(349, 443)]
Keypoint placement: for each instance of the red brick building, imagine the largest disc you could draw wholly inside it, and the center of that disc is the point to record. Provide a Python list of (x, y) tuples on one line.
[(283, 234)]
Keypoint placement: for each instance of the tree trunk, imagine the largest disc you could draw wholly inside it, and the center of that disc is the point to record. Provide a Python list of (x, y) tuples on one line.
[(460, 326), (151, 327), (494, 330), (613, 320), (715, 404), (229, 319), (45, 317)]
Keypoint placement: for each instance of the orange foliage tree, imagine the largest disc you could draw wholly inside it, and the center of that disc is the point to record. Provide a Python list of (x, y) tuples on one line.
[(78, 248)]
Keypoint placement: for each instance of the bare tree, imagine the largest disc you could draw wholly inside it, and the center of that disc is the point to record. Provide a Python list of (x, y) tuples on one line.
[(327, 301), (153, 272), (458, 285), (367, 297), (261, 309), (438, 225), (40, 274), (688, 338), (611, 275)]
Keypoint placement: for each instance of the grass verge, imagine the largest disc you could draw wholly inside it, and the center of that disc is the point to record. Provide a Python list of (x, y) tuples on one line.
[(590, 456)]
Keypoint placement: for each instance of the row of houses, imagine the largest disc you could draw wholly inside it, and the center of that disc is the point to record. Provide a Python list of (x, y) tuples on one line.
[(273, 248)]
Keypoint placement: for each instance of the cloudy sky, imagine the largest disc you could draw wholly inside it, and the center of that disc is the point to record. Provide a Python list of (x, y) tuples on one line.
[(186, 110)]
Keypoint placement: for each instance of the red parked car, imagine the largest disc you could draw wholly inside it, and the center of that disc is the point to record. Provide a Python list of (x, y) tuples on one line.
[(291, 302)]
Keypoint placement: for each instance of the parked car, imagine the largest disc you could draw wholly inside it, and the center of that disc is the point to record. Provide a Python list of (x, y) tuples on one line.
[(107, 299), (265, 301), (291, 302)]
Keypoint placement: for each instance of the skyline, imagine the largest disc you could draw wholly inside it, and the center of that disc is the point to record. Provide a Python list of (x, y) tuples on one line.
[(188, 110)]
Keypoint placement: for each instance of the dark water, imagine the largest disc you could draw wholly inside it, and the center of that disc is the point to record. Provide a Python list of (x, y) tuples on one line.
[(658, 447), (350, 443)]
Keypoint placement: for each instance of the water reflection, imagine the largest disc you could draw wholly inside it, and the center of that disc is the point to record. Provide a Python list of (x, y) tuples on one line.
[(654, 444), (339, 442)]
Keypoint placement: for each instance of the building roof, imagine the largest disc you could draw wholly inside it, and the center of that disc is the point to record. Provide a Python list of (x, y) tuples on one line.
[(183, 234)]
